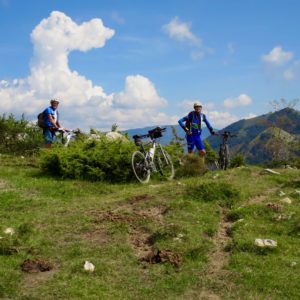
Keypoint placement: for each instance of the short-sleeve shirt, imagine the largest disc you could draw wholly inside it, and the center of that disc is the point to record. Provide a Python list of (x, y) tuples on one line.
[(53, 113)]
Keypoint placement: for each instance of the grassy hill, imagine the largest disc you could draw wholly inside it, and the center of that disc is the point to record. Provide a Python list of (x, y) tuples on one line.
[(191, 238), (253, 135)]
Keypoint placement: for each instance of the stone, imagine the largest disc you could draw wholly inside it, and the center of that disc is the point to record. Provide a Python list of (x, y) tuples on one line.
[(88, 266), (281, 193), (265, 243), (270, 171), (286, 200)]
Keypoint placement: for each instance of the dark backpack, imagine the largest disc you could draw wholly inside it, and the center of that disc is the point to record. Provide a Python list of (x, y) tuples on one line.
[(41, 121)]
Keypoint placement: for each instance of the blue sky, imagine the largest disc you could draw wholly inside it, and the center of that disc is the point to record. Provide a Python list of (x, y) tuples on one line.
[(140, 63)]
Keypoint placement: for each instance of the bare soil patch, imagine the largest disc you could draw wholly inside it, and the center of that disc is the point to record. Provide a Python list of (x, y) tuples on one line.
[(35, 266), (139, 198)]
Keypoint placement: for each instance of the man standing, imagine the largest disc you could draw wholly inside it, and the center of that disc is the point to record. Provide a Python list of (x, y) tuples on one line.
[(51, 120), (191, 124)]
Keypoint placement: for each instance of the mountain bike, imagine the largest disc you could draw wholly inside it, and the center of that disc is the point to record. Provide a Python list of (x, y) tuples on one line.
[(224, 155), (155, 159), (66, 136)]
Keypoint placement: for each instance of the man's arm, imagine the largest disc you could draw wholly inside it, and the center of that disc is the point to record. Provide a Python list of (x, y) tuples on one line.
[(182, 121), (208, 125)]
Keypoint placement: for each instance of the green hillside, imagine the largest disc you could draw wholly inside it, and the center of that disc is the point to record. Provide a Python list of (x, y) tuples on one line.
[(254, 135), (192, 238)]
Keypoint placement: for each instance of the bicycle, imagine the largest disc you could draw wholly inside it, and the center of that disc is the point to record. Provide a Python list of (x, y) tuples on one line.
[(66, 136), (156, 159), (224, 156)]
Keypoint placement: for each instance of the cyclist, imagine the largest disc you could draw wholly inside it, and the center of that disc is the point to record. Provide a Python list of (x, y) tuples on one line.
[(51, 120), (191, 124)]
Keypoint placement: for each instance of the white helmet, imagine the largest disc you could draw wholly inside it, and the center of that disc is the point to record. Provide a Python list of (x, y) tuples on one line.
[(197, 104)]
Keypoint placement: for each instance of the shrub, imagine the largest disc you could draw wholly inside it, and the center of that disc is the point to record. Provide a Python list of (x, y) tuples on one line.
[(108, 160), (237, 160), (192, 165), (19, 136)]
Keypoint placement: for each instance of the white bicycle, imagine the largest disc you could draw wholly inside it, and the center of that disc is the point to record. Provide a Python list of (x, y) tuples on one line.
[(66, 136), (156, 159)]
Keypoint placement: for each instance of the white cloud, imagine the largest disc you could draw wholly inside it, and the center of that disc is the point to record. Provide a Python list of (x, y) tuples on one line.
[(188, 104), (115, 16), (289, 74), (140, 93), (277, 57), (250, 116), (83, 104), (220, 120), (241, 100), (181, 31)]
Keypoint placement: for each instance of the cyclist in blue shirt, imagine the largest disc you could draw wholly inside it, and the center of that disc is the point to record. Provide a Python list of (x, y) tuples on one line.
[(191, 124), (51, 120)]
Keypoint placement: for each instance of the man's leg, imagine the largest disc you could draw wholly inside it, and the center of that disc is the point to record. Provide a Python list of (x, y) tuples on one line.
[(190, 144), (201, 148), (48, 137)]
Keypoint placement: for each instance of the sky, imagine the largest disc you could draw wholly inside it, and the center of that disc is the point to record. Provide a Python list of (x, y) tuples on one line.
[(144, 63)]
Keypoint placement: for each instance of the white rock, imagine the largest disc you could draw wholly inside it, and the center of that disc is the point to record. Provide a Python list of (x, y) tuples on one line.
[(293, 264), (88, 266), (215, 176), (113, 135), (9, 230), (265, 243), (286, 200), (281, 193), (297, 192), (271, 171)]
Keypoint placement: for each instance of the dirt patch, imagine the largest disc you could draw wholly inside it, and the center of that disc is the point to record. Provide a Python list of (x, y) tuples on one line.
[(35, 266), (109, 215), (139, 198), (4, 184), (97, 237), (154, 212), (156, 256), (275, 207)]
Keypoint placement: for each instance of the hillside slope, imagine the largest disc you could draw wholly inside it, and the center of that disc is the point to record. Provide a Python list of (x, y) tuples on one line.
[(187, 239), (251, 141)]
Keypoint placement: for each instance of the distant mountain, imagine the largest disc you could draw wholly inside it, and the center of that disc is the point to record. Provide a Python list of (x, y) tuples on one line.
[(168, 135), (255, 135)]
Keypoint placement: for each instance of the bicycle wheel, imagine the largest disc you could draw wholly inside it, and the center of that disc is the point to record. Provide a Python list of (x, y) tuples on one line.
[(140, 167), (164, 164), (222, 163)]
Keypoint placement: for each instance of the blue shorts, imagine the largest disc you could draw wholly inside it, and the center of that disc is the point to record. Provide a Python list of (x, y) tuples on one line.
[(194, 140), (48, 136)]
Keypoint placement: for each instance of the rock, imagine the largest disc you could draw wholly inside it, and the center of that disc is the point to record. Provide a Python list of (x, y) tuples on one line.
[(297, 192), (270, 171), (265, 243), (293, 264), (216, 176), (286, 200), (281, 193), (113, 135), (88, 266), (9, 230), (94, 137)]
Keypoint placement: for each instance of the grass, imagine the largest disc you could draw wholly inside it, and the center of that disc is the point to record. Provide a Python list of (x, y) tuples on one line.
[(115, 226)]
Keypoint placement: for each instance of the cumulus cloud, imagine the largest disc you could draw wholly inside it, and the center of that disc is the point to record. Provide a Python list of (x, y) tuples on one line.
[(277, 56), (83, 104), (189, 103), (221, 119), (241, 100), (139, 92), (181, 31)]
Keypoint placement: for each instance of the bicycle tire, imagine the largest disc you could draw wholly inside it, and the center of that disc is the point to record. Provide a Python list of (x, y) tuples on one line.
[(164, 164), (226, 157), (140, 167), (222, 163)]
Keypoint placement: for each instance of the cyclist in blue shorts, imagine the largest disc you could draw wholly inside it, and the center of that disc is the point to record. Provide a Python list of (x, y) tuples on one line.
[(191, 124)]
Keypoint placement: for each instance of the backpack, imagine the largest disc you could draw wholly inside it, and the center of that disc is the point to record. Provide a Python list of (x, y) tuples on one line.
[(40, 120)]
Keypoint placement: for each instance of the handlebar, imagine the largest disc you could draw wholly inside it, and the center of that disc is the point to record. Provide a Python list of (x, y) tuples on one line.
[(153, 134), (226, 134)]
